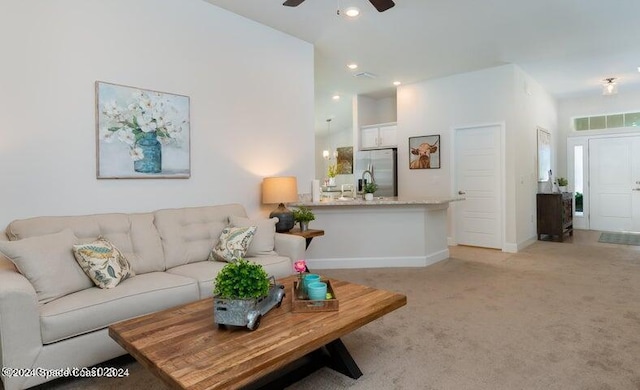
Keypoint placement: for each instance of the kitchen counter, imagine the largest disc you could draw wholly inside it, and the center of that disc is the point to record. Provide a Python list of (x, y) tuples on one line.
[(383, 232), (377, 201)]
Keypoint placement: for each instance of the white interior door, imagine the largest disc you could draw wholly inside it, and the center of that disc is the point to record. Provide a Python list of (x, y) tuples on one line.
[(478, 156), (614, 178)]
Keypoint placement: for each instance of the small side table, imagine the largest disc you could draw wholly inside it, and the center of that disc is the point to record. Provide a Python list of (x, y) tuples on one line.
[(307, 234)]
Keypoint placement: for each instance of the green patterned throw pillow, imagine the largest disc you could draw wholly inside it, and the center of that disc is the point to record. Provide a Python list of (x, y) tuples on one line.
[(232, 244), (103, 263)]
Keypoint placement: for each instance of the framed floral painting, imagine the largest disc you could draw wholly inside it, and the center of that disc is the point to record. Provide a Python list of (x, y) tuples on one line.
[(141, 134)]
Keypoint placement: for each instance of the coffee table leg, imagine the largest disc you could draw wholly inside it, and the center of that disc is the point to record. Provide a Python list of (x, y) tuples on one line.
[(341, 359), (334, 355)]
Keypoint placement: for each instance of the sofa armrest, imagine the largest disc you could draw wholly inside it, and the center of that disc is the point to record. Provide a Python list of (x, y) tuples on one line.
[(20, 338), (291, 246)]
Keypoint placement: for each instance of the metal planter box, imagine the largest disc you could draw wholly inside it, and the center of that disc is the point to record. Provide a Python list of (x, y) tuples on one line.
[(247, 312)]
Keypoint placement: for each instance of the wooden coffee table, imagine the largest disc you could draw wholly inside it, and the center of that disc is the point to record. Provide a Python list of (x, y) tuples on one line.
[(186, 349)]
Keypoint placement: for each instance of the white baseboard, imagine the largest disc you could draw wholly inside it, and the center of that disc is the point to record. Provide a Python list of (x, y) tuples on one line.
[(378, 262), (514, 248)]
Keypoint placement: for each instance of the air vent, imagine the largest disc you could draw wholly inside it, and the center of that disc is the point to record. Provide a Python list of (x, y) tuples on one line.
[(363, 75)]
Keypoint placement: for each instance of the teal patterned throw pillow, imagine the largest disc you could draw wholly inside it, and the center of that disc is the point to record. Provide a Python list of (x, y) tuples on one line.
[(103, 263), (232, 244)]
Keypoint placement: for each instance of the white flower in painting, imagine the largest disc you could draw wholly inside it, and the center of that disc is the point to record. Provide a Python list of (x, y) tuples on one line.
[(143, 113), (174, 132), (136, 154), (127, 136), (106, 134), (146, 123), (111, 109), (145, 103), (160, 122)]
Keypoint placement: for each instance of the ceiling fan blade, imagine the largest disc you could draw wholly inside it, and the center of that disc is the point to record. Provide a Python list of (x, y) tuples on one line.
[(382, 5), (292, 3)]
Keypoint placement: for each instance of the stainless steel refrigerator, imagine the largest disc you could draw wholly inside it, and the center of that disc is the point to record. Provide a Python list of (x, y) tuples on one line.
[(383, 163)]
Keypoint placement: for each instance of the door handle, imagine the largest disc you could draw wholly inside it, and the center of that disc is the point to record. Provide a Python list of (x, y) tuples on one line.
[(635, 189), (462, 192)]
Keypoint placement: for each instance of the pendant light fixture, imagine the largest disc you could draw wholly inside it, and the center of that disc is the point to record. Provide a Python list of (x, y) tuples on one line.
[(609, 86), (325, 153)]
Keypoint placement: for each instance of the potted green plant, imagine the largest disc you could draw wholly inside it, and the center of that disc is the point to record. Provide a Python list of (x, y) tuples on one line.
[(304, 215), (579, 202), (369, 189), (241, 279), (562, 184), (332, 171), (244, 292)]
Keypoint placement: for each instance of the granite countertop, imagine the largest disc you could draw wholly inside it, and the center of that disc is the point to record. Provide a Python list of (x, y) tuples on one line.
[(378, 201)]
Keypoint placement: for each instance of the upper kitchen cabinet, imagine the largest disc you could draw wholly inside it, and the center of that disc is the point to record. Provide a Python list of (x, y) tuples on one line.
[(375, 118), (384, 135)]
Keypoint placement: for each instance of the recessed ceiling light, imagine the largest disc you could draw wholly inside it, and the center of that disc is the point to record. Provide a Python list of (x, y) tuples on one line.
[(396, 83), (335, 97), (352, 66), (352, 12)]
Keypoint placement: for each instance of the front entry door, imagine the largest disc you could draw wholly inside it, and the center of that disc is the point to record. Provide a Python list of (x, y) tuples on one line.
[(478, 156), (614, 178)]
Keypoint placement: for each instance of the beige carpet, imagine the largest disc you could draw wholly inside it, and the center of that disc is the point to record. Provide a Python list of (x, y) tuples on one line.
[(554, 316)]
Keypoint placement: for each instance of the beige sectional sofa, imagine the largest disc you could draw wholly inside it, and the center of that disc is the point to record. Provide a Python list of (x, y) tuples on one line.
[(61, 321)]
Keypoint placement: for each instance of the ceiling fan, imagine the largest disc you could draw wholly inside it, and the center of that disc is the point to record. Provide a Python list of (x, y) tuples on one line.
[(381, 5)]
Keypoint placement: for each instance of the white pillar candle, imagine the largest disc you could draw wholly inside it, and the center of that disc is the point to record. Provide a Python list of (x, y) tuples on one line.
[(315, 190)]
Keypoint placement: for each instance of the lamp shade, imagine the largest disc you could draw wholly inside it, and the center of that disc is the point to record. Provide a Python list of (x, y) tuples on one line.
[(281, 189)]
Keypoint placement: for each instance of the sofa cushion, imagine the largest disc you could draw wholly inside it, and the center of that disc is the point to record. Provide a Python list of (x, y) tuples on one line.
[(103, 263), (134, 234), (232, 244), (205, 271), (189, 233), (264, 240), (47, 262), (95, 308)]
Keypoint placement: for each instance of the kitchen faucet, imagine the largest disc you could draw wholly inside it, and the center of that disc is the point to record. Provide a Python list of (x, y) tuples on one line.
[(370, 175)]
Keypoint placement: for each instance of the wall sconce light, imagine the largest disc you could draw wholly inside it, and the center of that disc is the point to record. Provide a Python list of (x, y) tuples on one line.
[(609, 86), (280, 190)]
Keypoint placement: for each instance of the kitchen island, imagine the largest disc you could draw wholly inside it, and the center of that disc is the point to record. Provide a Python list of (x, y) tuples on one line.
[(384, 232)]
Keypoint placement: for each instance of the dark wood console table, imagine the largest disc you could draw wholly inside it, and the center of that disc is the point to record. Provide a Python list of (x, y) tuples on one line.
[(555, 215)]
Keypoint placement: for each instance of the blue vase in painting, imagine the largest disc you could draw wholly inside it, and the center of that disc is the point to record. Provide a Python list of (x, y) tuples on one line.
[(152, 152)]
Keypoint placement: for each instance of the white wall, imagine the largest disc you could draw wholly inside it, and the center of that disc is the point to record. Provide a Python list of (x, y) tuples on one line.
[(498, 95), (534, 108), (372, 111), (250, 88)]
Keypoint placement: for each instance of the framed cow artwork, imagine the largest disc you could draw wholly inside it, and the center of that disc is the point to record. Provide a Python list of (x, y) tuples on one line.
[(424, 152)]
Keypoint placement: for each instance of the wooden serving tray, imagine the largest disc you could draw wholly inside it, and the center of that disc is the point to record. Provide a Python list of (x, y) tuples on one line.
[(309, 306)]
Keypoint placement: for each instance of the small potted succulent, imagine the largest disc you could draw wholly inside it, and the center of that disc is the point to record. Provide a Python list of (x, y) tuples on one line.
[(369, 189), (243, 293), (562, 184), (304, 215)]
